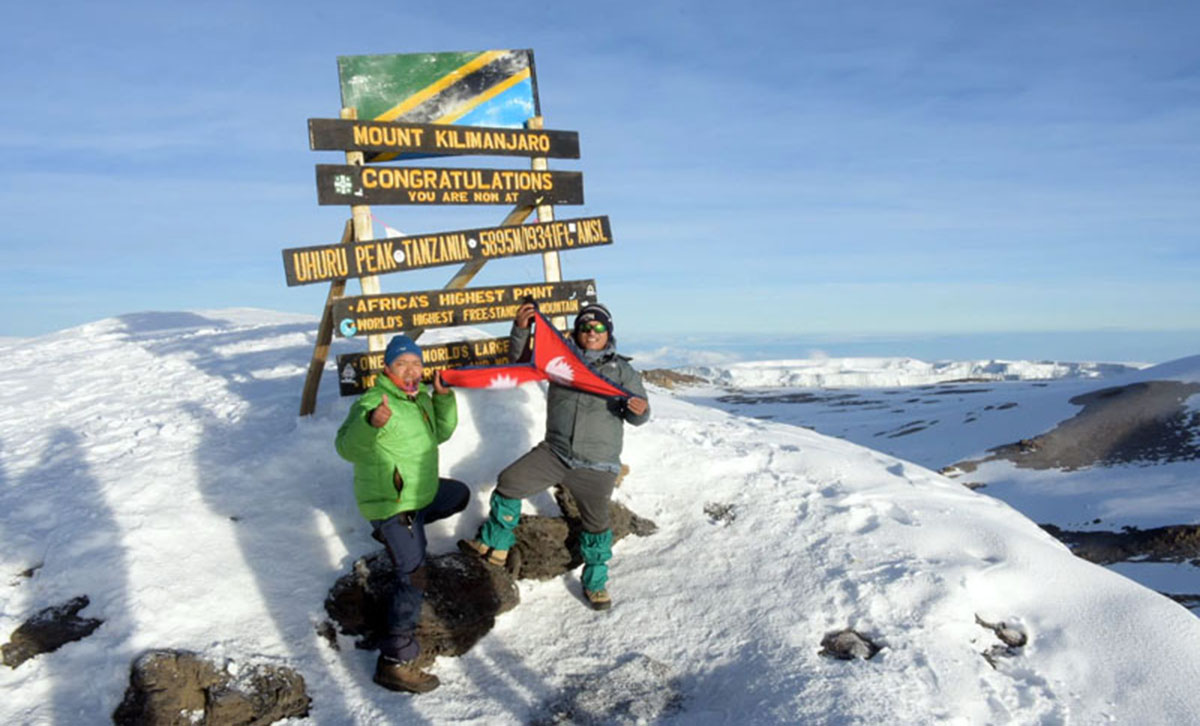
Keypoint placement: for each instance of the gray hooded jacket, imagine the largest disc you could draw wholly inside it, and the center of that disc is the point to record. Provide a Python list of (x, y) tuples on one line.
[(585, 429)]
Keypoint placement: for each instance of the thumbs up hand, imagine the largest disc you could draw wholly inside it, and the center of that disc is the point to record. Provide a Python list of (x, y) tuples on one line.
[(381, 414)]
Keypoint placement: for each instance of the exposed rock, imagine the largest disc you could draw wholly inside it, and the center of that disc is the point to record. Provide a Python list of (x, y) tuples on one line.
[(48, 630), (549, 546), (462, 599), (178, 688), (1147, 422), (670, 379), (1012, 639), (1174, 543), (638, 691), (848, 644), (1189, 601), (328, 632), (463, 595), (718, 513)]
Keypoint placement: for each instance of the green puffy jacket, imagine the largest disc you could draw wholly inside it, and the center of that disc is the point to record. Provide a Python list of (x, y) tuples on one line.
[(585, 427), (407, 444)]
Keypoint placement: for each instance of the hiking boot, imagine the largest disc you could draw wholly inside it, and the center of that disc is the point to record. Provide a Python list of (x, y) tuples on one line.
[(599, 599), (398, 675), (491, 556)]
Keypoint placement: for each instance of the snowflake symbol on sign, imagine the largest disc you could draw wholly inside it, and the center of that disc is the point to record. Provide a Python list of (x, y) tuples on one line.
[(342, 184)]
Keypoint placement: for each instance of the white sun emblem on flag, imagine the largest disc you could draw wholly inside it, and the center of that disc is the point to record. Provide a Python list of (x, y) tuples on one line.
[(560, 371), (503, 381)]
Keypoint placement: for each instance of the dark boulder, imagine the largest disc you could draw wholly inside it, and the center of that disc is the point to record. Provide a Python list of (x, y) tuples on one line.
[(549, 546), (463, 596), (178, 688), (48, 630), (848, 644), (1012, 638)]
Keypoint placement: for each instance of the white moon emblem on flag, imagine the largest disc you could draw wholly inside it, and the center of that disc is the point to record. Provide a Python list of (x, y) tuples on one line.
[(560, 371), (503, 381)]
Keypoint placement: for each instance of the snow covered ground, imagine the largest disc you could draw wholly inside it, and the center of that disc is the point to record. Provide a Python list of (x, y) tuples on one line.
[(155, 463), (941, 414)]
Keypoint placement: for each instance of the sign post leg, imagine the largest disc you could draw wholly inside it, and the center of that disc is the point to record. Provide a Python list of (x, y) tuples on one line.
[(551, 264), (308, 399), (364, 232)]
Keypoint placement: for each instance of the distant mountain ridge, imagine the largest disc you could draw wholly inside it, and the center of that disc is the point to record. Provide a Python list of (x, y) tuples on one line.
[(884, 372)]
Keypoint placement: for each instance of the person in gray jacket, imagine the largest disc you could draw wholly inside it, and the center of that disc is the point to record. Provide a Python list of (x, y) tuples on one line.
[(581, 451)]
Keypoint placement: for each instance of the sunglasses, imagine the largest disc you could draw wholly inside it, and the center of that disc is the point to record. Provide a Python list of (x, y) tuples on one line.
[(594, 328)]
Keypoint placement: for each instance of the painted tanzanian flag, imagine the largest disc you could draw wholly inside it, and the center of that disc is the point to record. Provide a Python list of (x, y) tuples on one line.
[(478, 88), (554, 359)]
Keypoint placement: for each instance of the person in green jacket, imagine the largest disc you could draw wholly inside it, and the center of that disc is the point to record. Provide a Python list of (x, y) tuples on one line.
[(581, 451), (391, 435)]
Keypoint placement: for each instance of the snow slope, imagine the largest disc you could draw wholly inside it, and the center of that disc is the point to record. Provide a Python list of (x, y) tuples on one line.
[(941, 424), (155, 463)]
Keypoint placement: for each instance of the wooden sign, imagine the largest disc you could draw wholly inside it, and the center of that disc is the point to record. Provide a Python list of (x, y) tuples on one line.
[(357, 371), (355, 185), (374, 314), (412, 140), (325, 263)]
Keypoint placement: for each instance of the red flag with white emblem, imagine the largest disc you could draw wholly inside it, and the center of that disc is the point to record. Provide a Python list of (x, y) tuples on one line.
[(554, 359)]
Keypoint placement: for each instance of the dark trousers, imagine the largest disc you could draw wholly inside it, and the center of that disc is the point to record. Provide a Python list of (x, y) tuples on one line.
[(404, 537), (541, 469)]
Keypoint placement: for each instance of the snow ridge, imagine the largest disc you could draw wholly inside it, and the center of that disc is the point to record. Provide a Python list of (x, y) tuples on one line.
[(883, 372)]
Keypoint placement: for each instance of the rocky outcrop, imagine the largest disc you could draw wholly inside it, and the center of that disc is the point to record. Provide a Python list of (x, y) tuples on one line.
[(48, 630), (1146, 422), (549, 546), (848, 644), (670, 379), (1173, 543), (1012, 639), (178, 688), (463, 596)]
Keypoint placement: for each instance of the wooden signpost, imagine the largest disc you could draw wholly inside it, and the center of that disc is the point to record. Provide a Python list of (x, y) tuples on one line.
[(357, 371), (349, 184), (325, 263), (410, 106), (412, 140), (373, 314)]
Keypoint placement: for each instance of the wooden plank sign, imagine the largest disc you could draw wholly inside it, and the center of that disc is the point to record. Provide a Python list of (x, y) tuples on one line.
[(411, 139), (375, 314), (356, 185), (325, 263), (357, 371)]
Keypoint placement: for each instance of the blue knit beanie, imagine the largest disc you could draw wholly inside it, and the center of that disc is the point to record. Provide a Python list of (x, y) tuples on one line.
[(400, 344)]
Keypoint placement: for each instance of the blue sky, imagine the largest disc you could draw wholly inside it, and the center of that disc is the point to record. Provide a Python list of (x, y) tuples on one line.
[(779, 169)]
